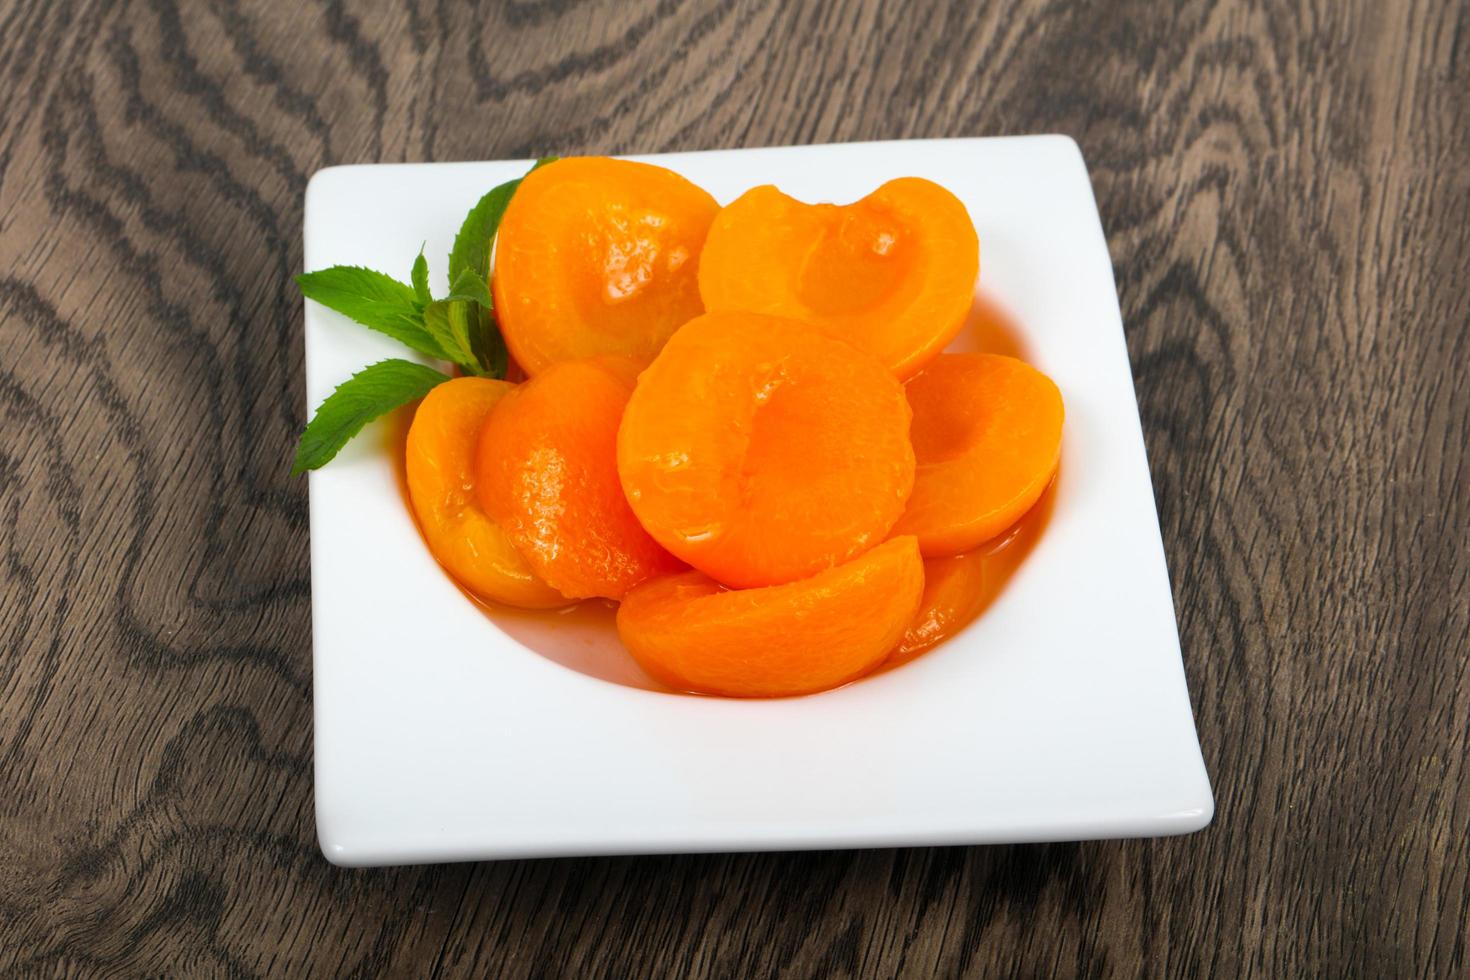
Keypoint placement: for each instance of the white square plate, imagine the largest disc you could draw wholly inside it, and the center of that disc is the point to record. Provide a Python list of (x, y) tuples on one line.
[(1061, 714)]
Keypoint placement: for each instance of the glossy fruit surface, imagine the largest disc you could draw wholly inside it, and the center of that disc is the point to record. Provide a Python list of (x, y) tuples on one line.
[(439, 463), (547, 473), (761, 451), (598, 256), (987, 434), (693, 634), (893, 273), (954, 594)]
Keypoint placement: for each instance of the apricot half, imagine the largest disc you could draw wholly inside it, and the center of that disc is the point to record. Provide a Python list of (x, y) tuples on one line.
[(598, 256), (893, 273), (692, 634), (761, 451), (987, 434), (547, 473), (439, 460), (954, 594)]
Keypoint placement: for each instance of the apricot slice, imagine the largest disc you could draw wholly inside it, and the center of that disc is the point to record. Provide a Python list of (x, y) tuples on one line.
[(893, 273), (547, 473), (761, 451), (598, 256), (439, 460), (987, 434), (954, 594), (690, 633)]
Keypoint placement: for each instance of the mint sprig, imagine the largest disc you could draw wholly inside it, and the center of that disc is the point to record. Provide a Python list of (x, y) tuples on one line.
[(460, 328), (373, 300)]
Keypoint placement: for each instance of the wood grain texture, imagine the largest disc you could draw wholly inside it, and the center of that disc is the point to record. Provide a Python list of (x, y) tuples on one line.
[(1287, 198)]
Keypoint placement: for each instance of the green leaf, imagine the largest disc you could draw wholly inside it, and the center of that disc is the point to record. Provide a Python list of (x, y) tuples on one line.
[(473, 243), (371, 392), (421, 278), (373, 300), (448, 322), (490, 345), (470, 285), (463, 320)]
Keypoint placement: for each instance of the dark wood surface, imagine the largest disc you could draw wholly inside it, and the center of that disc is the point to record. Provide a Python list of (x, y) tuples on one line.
[(1286, 191)]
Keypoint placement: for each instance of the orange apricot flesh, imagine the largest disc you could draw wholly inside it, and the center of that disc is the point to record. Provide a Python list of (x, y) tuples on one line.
[(439, 463), (547, 473), (689, 632), (762, 451), (954, 594), (598, 256), (987, 435), (893, 273)]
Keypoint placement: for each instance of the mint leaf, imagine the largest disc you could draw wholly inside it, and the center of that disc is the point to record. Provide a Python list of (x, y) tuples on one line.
[(373, 300), (471, 285), (421, 278), (463, 318), (489, 345), (472, 244), (449, 321), (469, 267), (371, 392)]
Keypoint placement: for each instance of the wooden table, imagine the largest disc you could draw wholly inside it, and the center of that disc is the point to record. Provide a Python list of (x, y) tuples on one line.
[(1286, 191)]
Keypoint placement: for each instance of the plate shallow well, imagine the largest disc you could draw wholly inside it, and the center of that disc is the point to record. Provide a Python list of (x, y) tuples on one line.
[(445, 734)]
